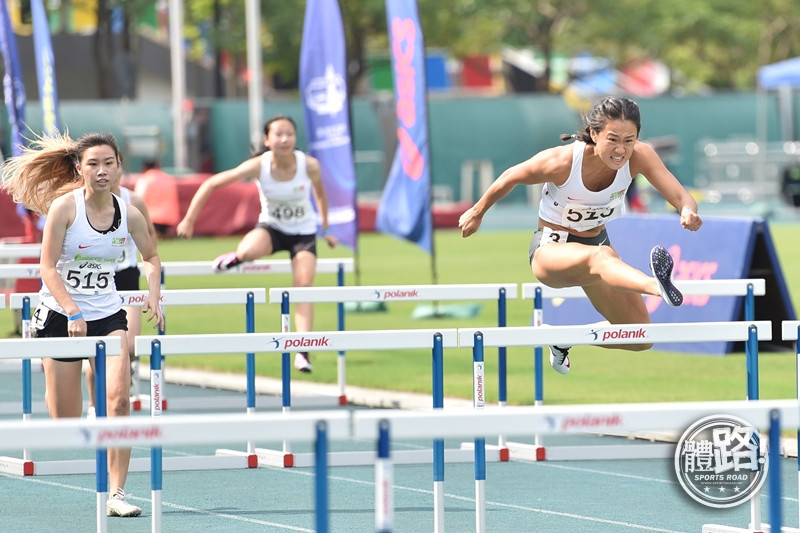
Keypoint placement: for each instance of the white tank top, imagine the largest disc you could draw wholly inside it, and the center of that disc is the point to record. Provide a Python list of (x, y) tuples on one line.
[(286, 205), (574, 206), (129, 258), (87, 262)]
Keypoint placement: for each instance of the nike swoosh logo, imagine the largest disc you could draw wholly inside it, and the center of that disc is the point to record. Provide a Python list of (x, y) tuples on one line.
[(82, 246), (573, 199)]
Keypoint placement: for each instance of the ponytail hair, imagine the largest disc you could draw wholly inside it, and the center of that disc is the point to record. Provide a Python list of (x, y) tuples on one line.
[(46, 169)]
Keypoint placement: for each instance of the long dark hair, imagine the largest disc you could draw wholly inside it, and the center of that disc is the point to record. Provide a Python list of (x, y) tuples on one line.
[(605, 109), (256, 151)]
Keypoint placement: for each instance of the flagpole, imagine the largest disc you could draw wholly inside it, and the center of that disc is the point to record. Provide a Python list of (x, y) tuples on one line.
[(434, 272), (356, 252)]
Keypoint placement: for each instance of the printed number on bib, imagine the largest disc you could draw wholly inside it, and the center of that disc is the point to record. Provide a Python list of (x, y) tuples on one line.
[(88, 282), (287, 213), (583, 217)]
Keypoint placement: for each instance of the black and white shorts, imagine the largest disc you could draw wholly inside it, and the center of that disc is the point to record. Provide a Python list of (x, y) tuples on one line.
[(293, 243), (55, 325), (601, 239)]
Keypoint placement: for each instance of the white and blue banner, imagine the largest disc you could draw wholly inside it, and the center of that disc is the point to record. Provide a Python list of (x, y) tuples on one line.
[(45, 69), (323, 89), (13, 85), (405, 207)]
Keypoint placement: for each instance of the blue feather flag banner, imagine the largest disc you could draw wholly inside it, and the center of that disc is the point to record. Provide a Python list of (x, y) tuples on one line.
[(323, 86), (13, 85), (45, 69), (405, 207)]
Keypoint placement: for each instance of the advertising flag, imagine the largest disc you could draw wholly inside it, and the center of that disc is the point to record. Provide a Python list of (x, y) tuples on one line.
[(13, 85), (405, 207), (45, 68), (323, 87)]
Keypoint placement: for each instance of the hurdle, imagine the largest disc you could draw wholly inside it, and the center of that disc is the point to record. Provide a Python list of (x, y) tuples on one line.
[(97, 347), (436, 340), (388, 293), (790, 331), (173, 297), (261, 266), (748, 288), (20, 251), (614, 334), (339, 425)]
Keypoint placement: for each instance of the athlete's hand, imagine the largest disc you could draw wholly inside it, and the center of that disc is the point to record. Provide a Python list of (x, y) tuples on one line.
[(152, 308), (76, 328), (469, 222), (690, 220), (332, 240), (185, 229)]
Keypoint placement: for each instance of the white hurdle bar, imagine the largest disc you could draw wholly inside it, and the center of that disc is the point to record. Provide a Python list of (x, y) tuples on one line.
[(97, 347), (433, 339), (262, 266), (187, 430), (20, 251), (389, 293), (748, 288), (174, 297), (790, 331), (190, 268), (599, 335)]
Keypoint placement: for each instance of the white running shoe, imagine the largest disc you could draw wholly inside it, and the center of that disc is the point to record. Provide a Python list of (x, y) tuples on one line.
[(90, 412), (661, 264), (117, 505), (302, 363), (559, 359), (225, 262)]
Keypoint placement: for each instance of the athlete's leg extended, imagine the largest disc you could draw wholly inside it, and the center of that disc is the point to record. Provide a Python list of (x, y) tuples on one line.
[(574, 264), (304, 266), (257, 243)]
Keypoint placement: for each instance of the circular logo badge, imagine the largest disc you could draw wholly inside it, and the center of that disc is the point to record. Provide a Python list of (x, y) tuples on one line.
[(719, 461)]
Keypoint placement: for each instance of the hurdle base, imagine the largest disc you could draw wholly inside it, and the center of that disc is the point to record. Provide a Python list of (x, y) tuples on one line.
[(233, 403), (765, 528), (17, 467), (138, 464), (280, 459), (15, 408), (532, 452), (503, 453), (252, 459)]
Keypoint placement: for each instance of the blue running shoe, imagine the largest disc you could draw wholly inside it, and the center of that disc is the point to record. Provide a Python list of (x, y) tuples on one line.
[(661, 264)]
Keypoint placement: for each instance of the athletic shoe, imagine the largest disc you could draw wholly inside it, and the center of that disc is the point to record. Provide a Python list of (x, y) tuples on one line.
[(661, 264), (559, 359), (90, 412), (117, 505), (302, 363), (225, 262)]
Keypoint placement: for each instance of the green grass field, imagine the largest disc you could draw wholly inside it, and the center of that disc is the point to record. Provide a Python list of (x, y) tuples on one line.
[(597, 376)]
